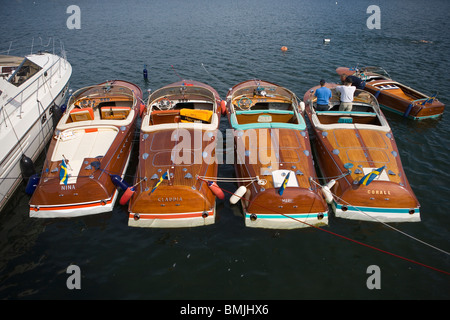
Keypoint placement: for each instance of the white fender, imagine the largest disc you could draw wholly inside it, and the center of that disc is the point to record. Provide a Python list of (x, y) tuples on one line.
[(302, 106), (327, 194), (238, 194), (331, 183)]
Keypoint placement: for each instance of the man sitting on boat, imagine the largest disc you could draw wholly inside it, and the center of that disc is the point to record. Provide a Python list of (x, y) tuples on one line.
[(346, 95), (323, 95)]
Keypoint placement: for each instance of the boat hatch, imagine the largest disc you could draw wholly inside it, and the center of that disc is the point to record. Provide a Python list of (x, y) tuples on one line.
[(80, 143)]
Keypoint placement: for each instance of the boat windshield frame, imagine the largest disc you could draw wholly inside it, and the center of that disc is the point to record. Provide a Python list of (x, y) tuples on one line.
[(181, 91)]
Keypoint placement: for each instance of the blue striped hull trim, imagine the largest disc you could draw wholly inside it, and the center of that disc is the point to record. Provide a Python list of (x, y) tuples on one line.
[(378, 210), (288, 216)]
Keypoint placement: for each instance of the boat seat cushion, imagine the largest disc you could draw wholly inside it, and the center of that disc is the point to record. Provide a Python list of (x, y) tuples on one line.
[(82, 114), (114, 113), (164, 116)]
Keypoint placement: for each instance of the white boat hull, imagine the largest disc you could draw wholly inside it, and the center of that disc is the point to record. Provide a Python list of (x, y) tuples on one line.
[(26, 121), (374, 214), (287, 221), (32, 144), (178, 220)]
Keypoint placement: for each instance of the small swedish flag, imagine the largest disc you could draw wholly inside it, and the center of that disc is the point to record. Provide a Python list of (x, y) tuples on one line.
[(165, 176), (284, 184), (430, 99), (63, 176), (370, 176)]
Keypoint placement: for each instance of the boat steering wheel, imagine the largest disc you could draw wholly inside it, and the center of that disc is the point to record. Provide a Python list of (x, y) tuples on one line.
[(164, 104), (244, 103)]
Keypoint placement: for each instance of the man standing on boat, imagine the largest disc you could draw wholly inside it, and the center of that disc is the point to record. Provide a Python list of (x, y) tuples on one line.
[(357, 82), (346, 92), (323, 95)]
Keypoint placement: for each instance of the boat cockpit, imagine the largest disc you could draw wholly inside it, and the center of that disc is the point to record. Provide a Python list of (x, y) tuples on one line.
[(109, 103), (181, 107), (259, 107), (365, 111)]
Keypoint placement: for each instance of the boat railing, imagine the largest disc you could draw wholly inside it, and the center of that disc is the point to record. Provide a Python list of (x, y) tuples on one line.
[(32, 89), (372, 69)]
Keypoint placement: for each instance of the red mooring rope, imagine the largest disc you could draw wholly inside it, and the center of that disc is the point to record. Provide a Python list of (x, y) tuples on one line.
[(344, 237)]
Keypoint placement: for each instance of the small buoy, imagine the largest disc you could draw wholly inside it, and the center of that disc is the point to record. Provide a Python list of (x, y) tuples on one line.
[(238, 194), (284, 48), (26, 167), (141, 109), (223, 106), (118, 182), (145, 72), (32, 184), (126, 196), (216, 190), (326, 40)]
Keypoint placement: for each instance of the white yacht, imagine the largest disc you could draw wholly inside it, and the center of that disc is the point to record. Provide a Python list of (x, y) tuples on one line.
[(32, 90)]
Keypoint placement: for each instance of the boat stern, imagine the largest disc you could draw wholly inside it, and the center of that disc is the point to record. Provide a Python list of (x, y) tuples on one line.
[(380, 201), (295, 208), (171, 207), (51, 199)]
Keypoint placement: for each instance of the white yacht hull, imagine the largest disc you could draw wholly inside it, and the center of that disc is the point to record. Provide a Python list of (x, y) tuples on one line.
[(31, 144), (26, 119)]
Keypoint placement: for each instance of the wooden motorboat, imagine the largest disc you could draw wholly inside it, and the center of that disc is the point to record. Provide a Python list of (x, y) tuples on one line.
[(349, 146), (273, 158), (176, 148), (32, 90), (394, 96), (89, 152)]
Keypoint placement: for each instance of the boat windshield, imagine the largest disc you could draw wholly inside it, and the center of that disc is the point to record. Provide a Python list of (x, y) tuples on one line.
[(23, 72), (107, 102), (182, 97), (373, 73)]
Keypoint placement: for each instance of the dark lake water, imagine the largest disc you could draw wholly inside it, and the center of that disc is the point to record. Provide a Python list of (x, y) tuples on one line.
[(223, 43)]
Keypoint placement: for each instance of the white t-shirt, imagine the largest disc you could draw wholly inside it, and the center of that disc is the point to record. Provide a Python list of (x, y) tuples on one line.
[(346, 93)]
